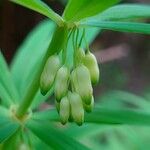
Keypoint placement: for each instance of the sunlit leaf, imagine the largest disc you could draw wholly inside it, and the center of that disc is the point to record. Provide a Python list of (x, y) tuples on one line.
[(76, 10), (125, 11), (132, 27)]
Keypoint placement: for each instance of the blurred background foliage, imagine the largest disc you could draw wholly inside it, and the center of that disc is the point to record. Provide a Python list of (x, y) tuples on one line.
[(124, 64)]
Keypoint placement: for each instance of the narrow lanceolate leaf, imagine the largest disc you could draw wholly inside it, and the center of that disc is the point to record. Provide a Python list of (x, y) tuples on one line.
[(41, 7), (53, 137), (7, 87), (103, 115), (118, 26), (78, 9), (7, 130), (120, 99), (35, 44), (13, 142), (5, 98), (3, 115), (49, 114), (125, 11), (7, 126)]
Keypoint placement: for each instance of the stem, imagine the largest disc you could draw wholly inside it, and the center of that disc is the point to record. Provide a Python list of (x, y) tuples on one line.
[(86, 43), (56, 44), (65, 48)]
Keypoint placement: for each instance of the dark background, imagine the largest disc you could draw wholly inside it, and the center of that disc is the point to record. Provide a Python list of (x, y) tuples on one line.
[(125, 57)]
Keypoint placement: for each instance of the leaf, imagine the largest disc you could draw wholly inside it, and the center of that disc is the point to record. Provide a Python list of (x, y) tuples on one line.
[(8, 130), (103, 115), (8, 90), (52, 137), (48, 114), (39, 98), (29, 56), (41, 7), (5, 98), (76, 10), (118, 26), (78, 132), (122, 99), (125, 11), (4, 115), (13, 142), (7, 126), (35, 142)]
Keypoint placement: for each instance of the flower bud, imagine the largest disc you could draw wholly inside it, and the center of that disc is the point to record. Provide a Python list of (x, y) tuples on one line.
[(80, 56), (61, 83), (64, 110), (91, 63), (49, 72), (89, 108), (77, 111), (81, 81)]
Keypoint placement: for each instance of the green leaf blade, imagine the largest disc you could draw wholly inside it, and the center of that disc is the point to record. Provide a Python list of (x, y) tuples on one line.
[(9, 93), (35, 44), (125, 11), (118, 116), (53, 137), (5, 98), (77, 10), (7, 130), (132, 27), (7, 126), (104, 115)]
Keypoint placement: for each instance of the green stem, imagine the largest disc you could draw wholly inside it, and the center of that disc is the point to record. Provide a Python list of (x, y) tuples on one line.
[(65, 48), (56, 44)]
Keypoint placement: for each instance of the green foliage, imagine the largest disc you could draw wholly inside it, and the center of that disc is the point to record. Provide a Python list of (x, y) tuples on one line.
[(54, 138), (35, 45), (8, 90), (119, 26), (7, 126), (19, 88), (125, 11), (76, 10)]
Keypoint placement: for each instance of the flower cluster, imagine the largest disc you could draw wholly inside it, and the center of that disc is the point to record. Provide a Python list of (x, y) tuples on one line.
[(72, 87)]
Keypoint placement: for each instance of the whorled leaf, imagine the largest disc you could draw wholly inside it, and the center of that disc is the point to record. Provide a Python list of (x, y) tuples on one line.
[(104, 115), (31, 52), (53, 137), (133, 27), (124, 11), (78, 9), (7, 126), (8, 91)]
